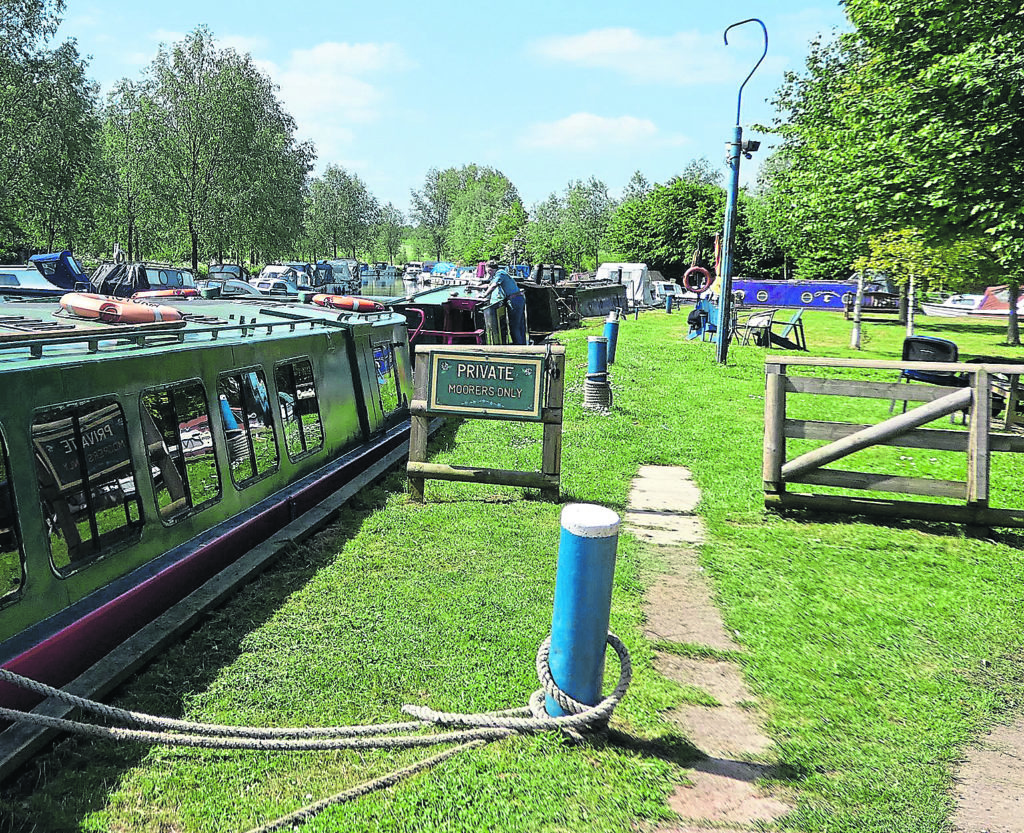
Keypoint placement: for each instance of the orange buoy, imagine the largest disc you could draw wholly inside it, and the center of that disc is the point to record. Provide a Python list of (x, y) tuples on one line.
[(180, 292), (116, 310), (347, 302)]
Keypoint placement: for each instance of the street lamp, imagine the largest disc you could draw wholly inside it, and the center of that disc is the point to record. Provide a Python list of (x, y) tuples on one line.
[(736, 147)]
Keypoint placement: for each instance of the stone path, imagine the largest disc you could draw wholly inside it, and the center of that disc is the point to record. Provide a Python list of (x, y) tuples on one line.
[(723, 794)]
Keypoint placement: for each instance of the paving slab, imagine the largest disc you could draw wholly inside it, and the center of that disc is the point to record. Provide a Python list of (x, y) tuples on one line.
[(665, 528), (679, 608), (721, 731), (724, 791), (722, 680)]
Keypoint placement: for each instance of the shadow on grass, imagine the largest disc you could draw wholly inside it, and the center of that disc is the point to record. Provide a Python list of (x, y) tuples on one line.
[(90, 770), (1012, 538)]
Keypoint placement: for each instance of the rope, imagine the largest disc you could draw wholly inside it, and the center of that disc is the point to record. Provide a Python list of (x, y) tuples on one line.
[(476, 729)]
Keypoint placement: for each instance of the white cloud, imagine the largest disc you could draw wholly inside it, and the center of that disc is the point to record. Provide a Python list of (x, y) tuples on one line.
[(682, 58), (585, 132), (326, 90)]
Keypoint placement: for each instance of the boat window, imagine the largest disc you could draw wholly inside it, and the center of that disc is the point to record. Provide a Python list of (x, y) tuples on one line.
[(300, 409), (252, 446), (12, 567), (179, 442), (86, 481), (387, 377)]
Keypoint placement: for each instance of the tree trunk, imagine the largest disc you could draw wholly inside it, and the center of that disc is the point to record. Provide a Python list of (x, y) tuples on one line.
[(911, 303), (194, 234), (857, 306), (131, 241), (1013, 330)]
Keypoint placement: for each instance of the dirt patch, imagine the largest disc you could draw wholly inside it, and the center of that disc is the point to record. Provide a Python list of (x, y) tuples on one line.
[(989, 786)]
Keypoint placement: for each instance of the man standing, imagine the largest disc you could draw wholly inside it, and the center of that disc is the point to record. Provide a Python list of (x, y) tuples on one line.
[(514, 300)]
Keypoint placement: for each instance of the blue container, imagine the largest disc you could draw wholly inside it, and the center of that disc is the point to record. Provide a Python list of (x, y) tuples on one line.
[(597, 357), (583, 599), (611, 332)]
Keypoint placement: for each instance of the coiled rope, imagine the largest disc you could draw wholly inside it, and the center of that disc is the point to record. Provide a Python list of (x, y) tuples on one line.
[(477, 729)]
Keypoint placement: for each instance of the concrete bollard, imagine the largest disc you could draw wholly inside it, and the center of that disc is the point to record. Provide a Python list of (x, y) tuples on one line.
[(611, 332), (583, 600)]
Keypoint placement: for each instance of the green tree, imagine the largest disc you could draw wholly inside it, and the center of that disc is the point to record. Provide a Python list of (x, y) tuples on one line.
[(391, 231), (432, 208)]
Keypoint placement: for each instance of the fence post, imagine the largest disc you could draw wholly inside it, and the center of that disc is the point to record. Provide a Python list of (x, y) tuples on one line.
[(978, 441), (774, 427), (419, 426)]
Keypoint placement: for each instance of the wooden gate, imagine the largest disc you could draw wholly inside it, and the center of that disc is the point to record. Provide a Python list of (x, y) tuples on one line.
[(903, 430)]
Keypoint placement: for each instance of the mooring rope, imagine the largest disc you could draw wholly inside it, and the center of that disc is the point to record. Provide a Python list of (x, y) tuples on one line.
[(478, 729)]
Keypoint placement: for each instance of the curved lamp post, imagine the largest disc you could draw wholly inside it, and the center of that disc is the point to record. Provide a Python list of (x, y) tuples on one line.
[(736, 148)]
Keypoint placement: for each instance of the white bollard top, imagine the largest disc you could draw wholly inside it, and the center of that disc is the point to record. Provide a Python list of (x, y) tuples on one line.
[(588, 520)]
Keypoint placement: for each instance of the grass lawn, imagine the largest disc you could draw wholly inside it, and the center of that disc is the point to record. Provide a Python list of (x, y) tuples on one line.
[(878, 650)]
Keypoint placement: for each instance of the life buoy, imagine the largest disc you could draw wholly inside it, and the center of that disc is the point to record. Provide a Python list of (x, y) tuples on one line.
[(180, 292), (705, 283), (347, 302), (116, 310)]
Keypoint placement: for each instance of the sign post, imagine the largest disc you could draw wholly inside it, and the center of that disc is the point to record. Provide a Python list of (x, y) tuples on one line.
[(522, 384)]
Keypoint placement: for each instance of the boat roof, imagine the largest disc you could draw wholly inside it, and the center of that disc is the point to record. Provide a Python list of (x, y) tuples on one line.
[(39, 332)]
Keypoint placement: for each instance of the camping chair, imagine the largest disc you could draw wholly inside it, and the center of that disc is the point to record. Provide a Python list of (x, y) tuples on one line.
[(930, 349), (755, 328), (792, 335)]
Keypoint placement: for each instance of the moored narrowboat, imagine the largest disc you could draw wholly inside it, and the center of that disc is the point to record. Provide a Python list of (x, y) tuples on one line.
[(137, 460)]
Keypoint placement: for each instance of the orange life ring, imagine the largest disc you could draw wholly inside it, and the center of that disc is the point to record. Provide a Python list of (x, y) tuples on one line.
[(180, 292), (116, 310), (705, 283), (348, 302)]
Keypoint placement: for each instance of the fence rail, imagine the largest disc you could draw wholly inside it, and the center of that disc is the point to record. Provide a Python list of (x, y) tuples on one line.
[(979, 441)]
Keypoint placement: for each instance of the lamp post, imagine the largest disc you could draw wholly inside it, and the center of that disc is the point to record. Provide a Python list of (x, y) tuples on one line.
[(737, 147)]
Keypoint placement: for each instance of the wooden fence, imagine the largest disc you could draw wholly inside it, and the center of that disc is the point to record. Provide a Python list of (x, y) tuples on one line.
[(905, 430)]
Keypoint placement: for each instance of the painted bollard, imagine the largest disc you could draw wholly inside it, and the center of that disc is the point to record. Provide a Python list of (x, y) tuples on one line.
[(668, 304), (597, 357), (583, 598), (611, 332)]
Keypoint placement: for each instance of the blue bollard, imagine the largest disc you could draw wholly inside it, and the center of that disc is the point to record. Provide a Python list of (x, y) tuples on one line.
[(597, 357), (230, 423), (583, 599), (611, 332), (668, 304)]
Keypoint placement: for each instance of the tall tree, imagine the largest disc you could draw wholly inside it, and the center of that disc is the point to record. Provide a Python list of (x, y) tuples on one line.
[(432, 208), (390, 231)]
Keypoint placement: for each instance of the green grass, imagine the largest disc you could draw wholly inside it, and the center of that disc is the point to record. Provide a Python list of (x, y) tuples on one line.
[(876, 650)]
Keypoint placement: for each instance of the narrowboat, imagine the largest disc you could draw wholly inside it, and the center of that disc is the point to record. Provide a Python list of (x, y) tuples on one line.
[(137, 460)]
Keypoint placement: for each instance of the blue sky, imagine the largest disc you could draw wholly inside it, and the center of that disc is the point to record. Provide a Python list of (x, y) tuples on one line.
[(546, 92)]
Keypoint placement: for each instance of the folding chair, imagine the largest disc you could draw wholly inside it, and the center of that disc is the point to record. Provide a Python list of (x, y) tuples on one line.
[(792, 332), (756, 328), (930, 349)]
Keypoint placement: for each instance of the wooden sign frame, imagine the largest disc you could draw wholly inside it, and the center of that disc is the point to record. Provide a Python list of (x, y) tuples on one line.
[(550, 359)]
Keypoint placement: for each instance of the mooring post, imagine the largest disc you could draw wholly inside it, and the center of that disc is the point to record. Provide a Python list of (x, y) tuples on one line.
[(583, 599), (597, 356), (611, 332), (668, 304)]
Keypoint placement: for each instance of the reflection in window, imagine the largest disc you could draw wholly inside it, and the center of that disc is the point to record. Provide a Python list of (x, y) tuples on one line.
[(12, 571), (300, 411), (387, 377), (245, 410), (180, 446), (86, 482)]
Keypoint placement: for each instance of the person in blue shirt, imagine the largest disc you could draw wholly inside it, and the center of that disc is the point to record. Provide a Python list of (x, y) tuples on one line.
[(514, 300)]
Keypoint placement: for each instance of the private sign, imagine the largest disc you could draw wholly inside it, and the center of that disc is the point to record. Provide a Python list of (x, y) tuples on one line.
[(495, 385)]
